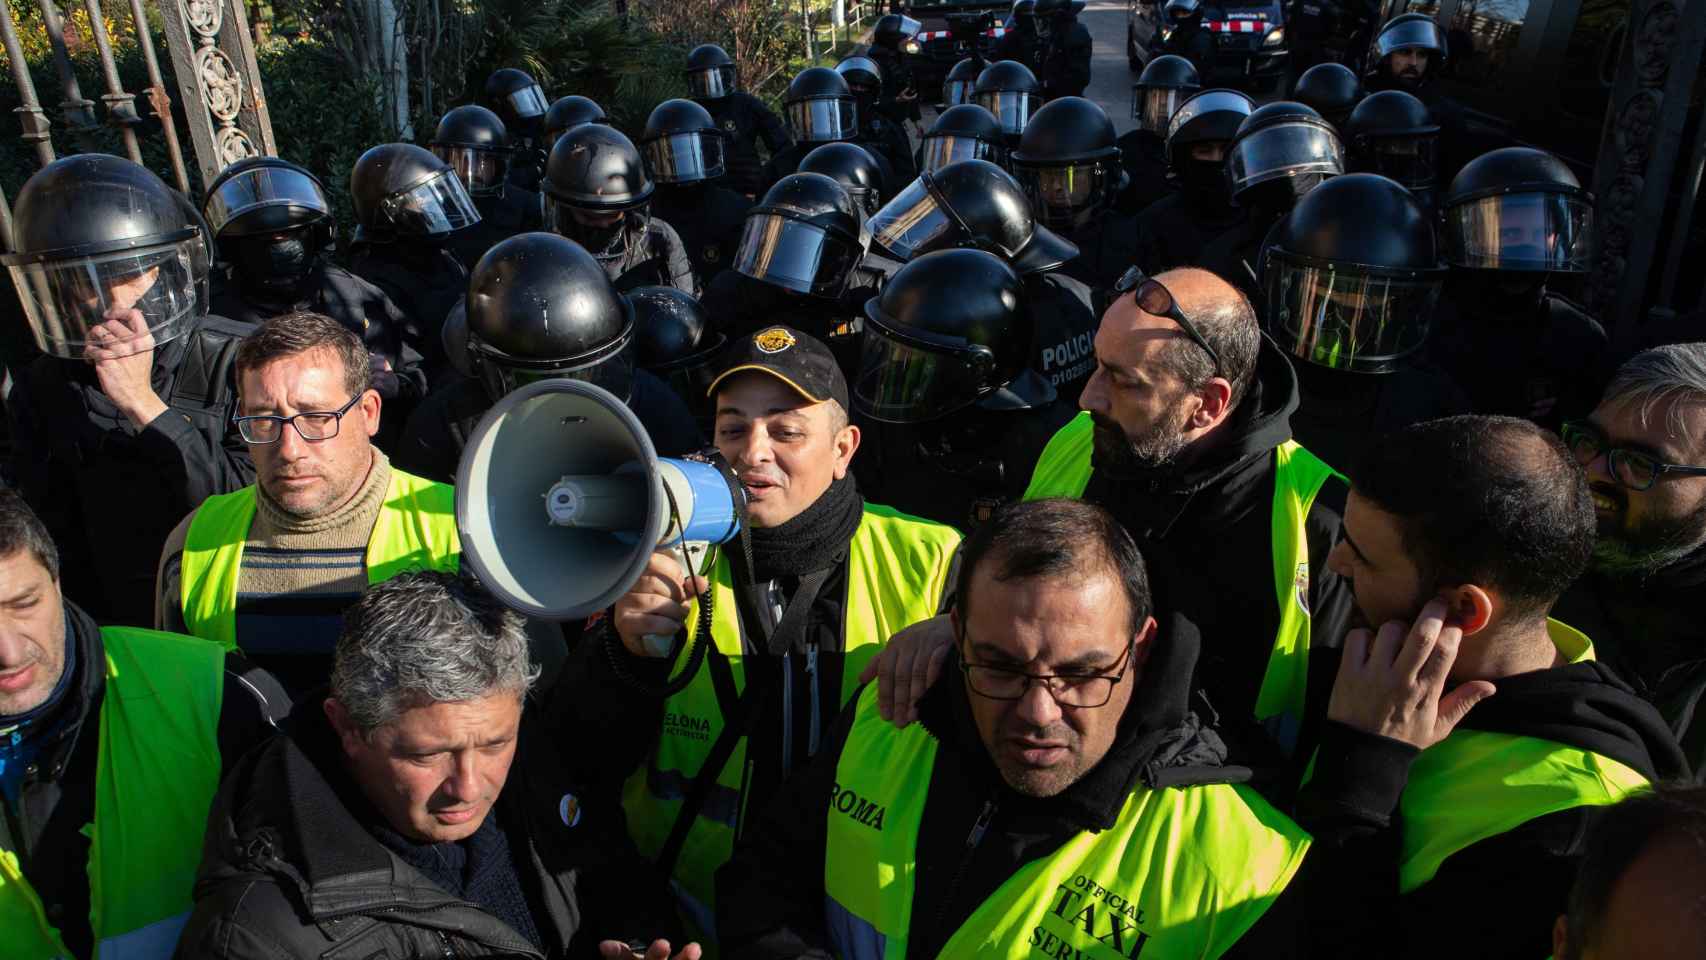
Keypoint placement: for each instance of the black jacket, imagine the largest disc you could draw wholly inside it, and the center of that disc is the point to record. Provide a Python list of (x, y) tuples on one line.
[(1546, 360), (1195, 43), (1174, 230), (109, 493), (1064, 62), (1061, 306), (1143, 156), (292, 868), (424, 281), (655, 259), (1018, 44), (1107, 246), (708, 218), (502, 215), (747, 120), (1339, 413), (46, 831)]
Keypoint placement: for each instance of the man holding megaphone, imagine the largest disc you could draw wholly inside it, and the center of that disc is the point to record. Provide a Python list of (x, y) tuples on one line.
[(827, 579)]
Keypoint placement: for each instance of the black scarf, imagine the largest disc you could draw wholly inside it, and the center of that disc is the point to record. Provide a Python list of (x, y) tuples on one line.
[(480, 869), (815, 539)]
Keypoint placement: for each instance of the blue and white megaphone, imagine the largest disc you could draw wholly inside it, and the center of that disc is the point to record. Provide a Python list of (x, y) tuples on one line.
[(561, 499)]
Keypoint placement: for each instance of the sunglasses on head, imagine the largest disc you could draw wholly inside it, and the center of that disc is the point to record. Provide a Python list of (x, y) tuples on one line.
[(1157, 301)]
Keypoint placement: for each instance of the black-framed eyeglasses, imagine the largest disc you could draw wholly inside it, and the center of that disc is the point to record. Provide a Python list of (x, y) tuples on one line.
[(1157, 301), (312, 425), (1631, 468), (1081, 690)]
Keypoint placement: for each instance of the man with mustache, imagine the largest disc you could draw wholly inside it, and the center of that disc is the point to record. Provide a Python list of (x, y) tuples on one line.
[(827, 579), (1643, 599), (1410, 55)]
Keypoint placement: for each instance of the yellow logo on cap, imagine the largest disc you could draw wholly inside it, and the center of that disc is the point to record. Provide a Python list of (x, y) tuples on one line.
[(773, 340)]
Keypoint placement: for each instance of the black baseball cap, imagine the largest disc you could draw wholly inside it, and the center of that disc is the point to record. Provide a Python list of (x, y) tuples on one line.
[(799, 360)]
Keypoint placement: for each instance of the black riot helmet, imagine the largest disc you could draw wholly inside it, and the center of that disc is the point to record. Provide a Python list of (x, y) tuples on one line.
[(596, 191), (517, 98), (1011, 93), (1023, 16), (710, 72), (1352, 275), (682, 144), (402, 191), (1282, 149), (1518, 209), (958, 83), (950, 329), (1392, 133), (539, 306), (674, 340), (1176, 12), (893, 29), (972, 203), (806, 235), (1068, 161), (1411, 31), (1331, 89), (1207, 116), (1164, 84), (853, 167), (474, 142), (965, 132), (569, 112), (270, 220), (819, 105), (94, 234), (863, 76), (1051, 14)]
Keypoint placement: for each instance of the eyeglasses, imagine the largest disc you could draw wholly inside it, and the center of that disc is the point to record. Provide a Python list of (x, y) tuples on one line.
[(314, 425), (1156, 300), (1631, 468), (1081, 690)]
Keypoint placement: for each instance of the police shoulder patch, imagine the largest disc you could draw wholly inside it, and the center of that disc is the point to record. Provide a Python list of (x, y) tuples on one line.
[(569, 808), (729, 125), (773, 340)]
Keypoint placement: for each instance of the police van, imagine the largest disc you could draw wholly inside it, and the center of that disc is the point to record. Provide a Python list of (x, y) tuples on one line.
[(1249, 40)]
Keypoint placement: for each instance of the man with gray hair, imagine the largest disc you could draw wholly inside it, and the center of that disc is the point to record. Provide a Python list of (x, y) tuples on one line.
[(408, 814), (1644, 599)]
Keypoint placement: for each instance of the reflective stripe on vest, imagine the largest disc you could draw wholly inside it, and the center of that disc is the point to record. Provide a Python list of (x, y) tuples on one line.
[(897, 569), (416, 528), (1474, 784), (1064, 469), (1184, 872), (155, 777)]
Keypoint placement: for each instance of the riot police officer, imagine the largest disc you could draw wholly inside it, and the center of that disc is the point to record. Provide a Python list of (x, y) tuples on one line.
[(1166, 82), (686, 154), (1010, 92), (1308, 24), (858, 172), (954, 416), (520, 102), (712, 82), (409, 206), (821, 109), (1331, 90), (123, 424), (964, 132), (1512, 221), (567, 112), (476, 145), (1394, 134), (1410, 53), (675, 342), (273, 229), (893, 39), (1063, 65), (1172, 231), (598, 195), (959, 80), (1352, 278), (1069, 166), (878, 128), (1019, 42), (976, 204), (539, 306), (1186, 36)]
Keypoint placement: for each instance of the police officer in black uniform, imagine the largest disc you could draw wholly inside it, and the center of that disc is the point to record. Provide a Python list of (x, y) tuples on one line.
[(1330, 89), (686, 155), (520, 103), (976, 204), (1187, 37), (539, 306), (1069, 166), (1410, 53), (1392, 133), (713, 85), (1352, 278), (1165, 83), (1512, 220), (855, 168), (891, 38), (1172, 231), (123, 424), (567, 112), (1308, 24), (476, 145), (598, 195), (409, 206), (821, 109), (960, 78), (878, 126), (1063, 65), (1012, 95), (1019, 42), (675, 342), (964, 132), (954, 416)]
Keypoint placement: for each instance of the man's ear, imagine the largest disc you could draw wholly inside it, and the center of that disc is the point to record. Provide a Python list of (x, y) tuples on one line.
[(1468, 607), (1143, 644), (349, 734), (846, 444), (1215, 402), (1561, 937), (370, 408)]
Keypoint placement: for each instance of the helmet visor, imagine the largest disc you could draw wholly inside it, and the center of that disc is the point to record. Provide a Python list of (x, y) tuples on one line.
[(1011, 108), (528, 101), (956, 92), (1286, 150), (822, 121), (906, 382), (943, 149), (912, 223), (794, 255), (1520, 231), (1409, 35), (1152, 107), (1060, 193), (125, 302), (482, 171), (684, 157), (432, 208), (615, 374), (1347, 319), (713, 83), (265, 199), (1412, 161), (1233, 103)]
